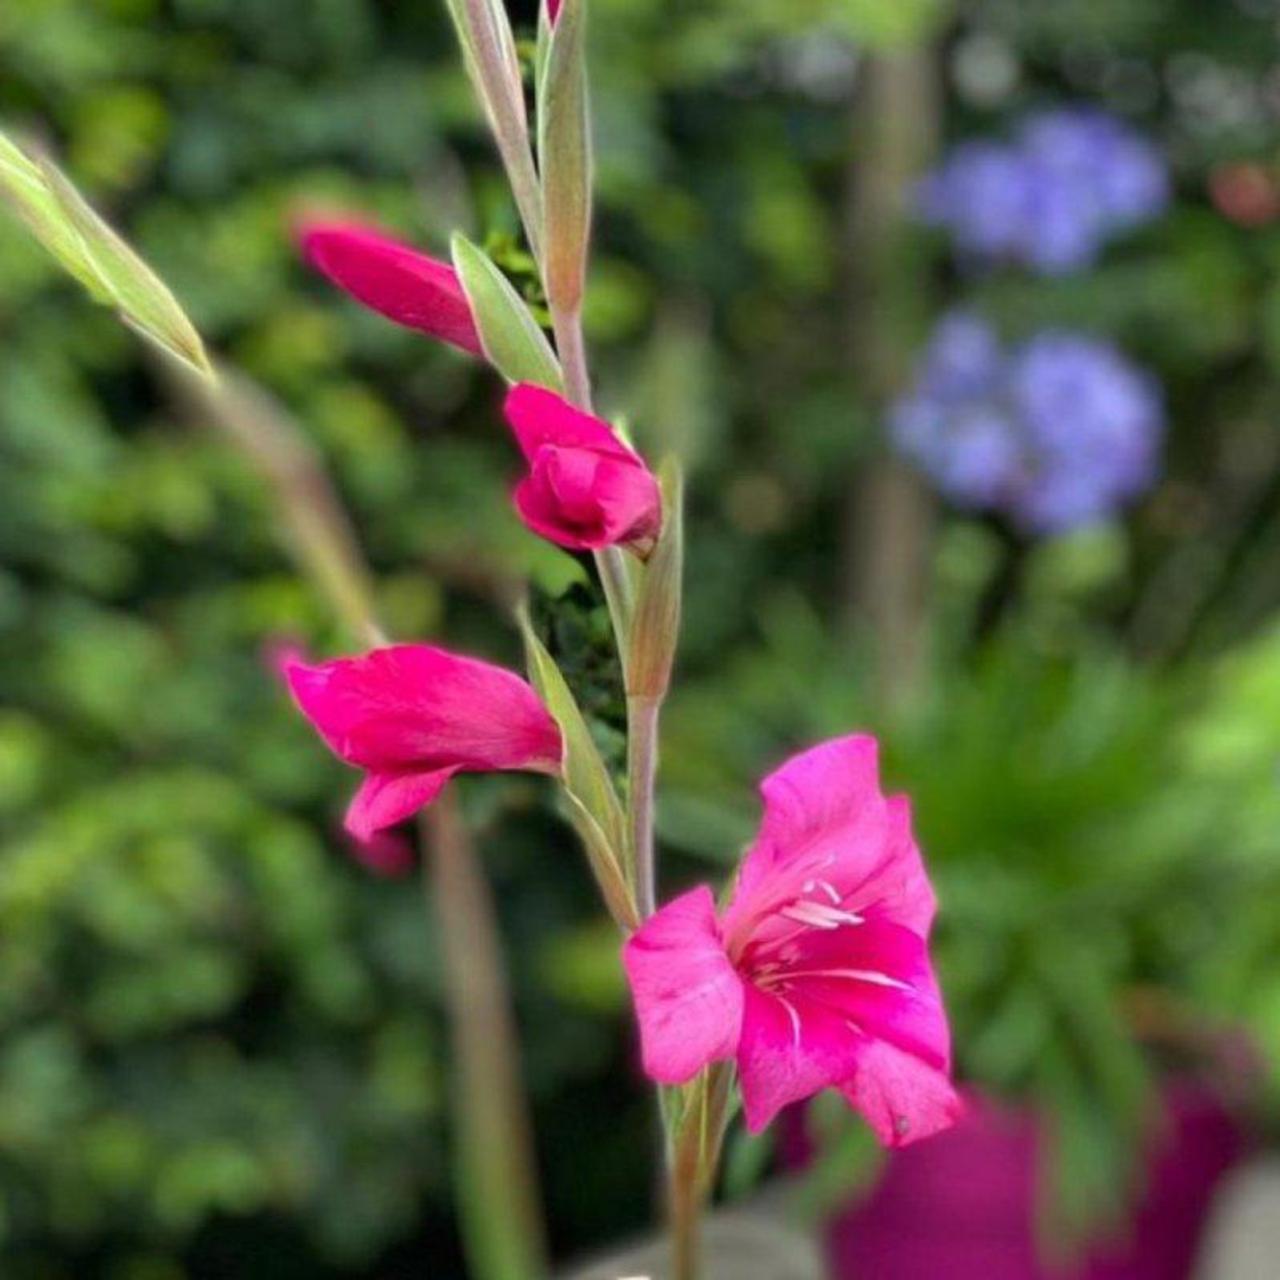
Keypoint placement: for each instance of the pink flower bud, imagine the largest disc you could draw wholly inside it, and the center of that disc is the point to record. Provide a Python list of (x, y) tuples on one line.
[(817, 973), (411, 716), (585, 488), (393, 279), (553, 11)]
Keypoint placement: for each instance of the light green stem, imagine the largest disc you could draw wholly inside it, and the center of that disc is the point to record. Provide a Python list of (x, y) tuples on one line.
[(493, 1145), (642, 769)]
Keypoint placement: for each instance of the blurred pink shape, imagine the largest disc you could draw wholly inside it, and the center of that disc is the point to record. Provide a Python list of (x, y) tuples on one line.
[(963, 1206)]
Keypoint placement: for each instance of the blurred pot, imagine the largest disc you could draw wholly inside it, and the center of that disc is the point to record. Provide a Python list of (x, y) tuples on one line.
[(747, 1243)]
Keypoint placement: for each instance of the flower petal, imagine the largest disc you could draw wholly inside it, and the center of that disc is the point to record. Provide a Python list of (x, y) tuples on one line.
[(584, 501), (902, 1098), (688, 996), (385, 799), (393, 279), (539, 417), (876, 976), (415, 708), (791, 1048), (825, 824)]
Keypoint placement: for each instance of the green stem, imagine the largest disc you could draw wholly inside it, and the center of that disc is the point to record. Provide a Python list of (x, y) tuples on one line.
[(497, 1181), (642, 769), (695, 1158)]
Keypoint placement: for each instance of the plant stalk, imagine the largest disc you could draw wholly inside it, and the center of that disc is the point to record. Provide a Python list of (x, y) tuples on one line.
[(693, 1163), (493, 1148), (642, 770)]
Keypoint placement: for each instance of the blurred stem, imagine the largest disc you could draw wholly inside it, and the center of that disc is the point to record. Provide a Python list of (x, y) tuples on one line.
[(498, 1201), (642, 769), (888, 517), (320, 533), (493, 1144)]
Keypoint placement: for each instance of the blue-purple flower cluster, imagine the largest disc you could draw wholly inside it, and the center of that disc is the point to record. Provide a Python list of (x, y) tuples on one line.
[(1056, 433), (1070, 181)]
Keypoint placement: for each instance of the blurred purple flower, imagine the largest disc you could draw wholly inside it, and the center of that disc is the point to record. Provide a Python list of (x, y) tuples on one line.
[(1057, 433), (1071, 180)]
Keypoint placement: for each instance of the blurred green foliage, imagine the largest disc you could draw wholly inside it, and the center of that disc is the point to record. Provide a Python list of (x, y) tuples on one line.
[(220, 1041)]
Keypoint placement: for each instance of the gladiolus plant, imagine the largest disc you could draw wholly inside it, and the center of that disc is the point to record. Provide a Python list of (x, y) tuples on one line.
[(815, 973), (812, 970)]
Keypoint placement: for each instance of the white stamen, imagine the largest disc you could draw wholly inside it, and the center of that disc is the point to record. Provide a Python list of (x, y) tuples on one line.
[(818, 915), (873, 976), (793, 1014)]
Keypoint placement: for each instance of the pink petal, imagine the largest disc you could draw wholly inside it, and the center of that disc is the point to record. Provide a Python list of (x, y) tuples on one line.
[(902, 1098), (791, 1048), (539, 417), (553, 10), (415, 708), (897, 887), (688, 996), (825, 823), (386, 799), (877, 977), (583, 501), (393, 279)]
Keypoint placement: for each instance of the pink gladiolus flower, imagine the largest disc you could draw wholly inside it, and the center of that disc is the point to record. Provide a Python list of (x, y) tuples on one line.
[(817, 974), (391, 278), (411, 716), (585, 489)]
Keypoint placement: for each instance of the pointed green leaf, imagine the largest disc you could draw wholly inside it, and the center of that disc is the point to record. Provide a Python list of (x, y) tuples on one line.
[(655, 624), (62, 220), (25, 190), (586, 779), (609, 875), (493, 64), (511, 337), (141, 297), (564, 148)]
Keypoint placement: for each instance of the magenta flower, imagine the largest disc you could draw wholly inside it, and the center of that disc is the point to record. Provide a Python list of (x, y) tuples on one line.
[(393, 279), (817, 974), (585, 488), (553, 10), (411, 716)]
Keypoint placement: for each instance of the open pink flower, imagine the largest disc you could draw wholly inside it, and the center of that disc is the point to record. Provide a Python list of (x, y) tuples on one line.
[(585, 488), (411, 716), (817, 974), (389, 277)]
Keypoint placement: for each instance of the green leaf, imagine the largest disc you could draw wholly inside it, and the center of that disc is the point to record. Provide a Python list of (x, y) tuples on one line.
[(63, 221), (593, 801), (142, 298), (564, 150), (511, 337), (493, 64), (25, 189), (655, 624)]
